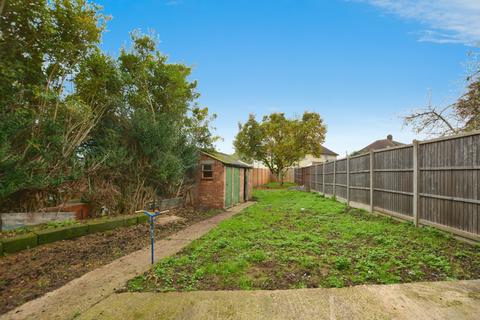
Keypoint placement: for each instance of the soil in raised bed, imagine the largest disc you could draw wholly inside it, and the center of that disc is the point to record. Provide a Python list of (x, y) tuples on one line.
[(31, 273)]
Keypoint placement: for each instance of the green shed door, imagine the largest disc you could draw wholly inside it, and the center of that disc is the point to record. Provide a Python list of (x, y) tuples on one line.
[(236, 185), (228, 186)]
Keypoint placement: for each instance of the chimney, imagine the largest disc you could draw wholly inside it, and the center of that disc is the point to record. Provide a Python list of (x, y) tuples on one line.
[(390, 137)]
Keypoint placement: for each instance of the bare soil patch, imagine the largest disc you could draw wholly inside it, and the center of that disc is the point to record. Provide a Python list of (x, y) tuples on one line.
[(31, 273)]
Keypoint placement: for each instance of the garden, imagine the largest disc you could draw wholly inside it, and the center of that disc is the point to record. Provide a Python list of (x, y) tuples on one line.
[(291, 239), (29, 274)]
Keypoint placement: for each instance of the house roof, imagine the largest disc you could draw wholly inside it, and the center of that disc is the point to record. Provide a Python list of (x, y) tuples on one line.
[(382, 144), (329, 152), (228, 159)]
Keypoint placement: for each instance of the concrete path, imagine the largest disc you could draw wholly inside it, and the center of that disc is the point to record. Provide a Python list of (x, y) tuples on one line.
[(427, 300), (82, 293)]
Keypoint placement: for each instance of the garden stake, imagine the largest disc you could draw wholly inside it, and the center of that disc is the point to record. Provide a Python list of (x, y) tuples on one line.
[(152, 216)]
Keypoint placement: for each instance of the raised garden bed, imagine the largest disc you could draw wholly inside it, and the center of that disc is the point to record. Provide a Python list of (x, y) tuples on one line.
[(29, 274), (293, 239), (29, 237)]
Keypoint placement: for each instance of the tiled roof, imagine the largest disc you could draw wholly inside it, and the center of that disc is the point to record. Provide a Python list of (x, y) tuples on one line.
[(381, 144)]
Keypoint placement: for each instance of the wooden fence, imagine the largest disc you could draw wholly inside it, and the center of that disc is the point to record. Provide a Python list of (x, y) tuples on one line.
[(262, 176), (434, 182)]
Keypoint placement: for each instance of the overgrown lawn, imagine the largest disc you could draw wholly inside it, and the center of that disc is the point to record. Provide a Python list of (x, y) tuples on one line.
[(293, 239)]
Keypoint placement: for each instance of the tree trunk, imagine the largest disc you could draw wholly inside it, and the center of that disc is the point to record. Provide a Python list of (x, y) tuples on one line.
[(280, 177)]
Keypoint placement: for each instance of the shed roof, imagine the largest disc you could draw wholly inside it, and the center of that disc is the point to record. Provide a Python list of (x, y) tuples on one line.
[(228, 159)]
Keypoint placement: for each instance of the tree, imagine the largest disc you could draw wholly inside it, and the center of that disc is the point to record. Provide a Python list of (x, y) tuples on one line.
[(42, 44), (148, 138), (462, 115), (279, 142), (468, 106), (74, 122)]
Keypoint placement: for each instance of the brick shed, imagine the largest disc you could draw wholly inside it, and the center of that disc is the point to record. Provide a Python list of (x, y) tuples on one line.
[(222, 181)]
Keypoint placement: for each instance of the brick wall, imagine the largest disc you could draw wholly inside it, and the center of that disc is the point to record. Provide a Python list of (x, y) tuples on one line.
[(210, 193)]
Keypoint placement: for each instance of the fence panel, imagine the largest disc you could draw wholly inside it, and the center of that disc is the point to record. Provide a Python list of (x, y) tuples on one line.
[(329, 175), (298, 176), (393, 180), (318, 178), (360, 179), (446, 172), (262, 176), (449, 183), (306, 177), (341, 179)]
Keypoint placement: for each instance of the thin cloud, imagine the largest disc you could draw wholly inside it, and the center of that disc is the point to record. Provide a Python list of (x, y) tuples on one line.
[(446, 21)]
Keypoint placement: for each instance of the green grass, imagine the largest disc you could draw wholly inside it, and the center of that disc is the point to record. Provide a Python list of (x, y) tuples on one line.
[(277, 185), (293, 239)]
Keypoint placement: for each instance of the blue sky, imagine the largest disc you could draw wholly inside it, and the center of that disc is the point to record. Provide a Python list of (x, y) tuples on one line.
[(361, 64)]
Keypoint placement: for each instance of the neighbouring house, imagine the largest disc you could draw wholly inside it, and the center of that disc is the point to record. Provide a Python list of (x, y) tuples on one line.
[(222, 181), (380, 144), (327, 155)]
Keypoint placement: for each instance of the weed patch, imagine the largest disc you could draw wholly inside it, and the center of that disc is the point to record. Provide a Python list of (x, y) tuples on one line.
[(293, 239)]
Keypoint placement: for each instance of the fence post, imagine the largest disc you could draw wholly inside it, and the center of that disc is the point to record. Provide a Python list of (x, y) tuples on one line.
[(334, 176), (415, 182), (315, 179), (372, 167), (348, 180), (323, 178)]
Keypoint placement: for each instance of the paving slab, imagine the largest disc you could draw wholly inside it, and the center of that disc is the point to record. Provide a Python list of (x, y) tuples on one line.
[(82, 293), (427, 300)]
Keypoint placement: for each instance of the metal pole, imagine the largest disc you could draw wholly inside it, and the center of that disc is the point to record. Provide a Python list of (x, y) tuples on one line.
[(151, 216), (152, 236)]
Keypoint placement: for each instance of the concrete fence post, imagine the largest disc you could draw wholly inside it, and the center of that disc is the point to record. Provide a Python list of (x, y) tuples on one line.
[(348, 180), (372, 168), (415, 182)]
